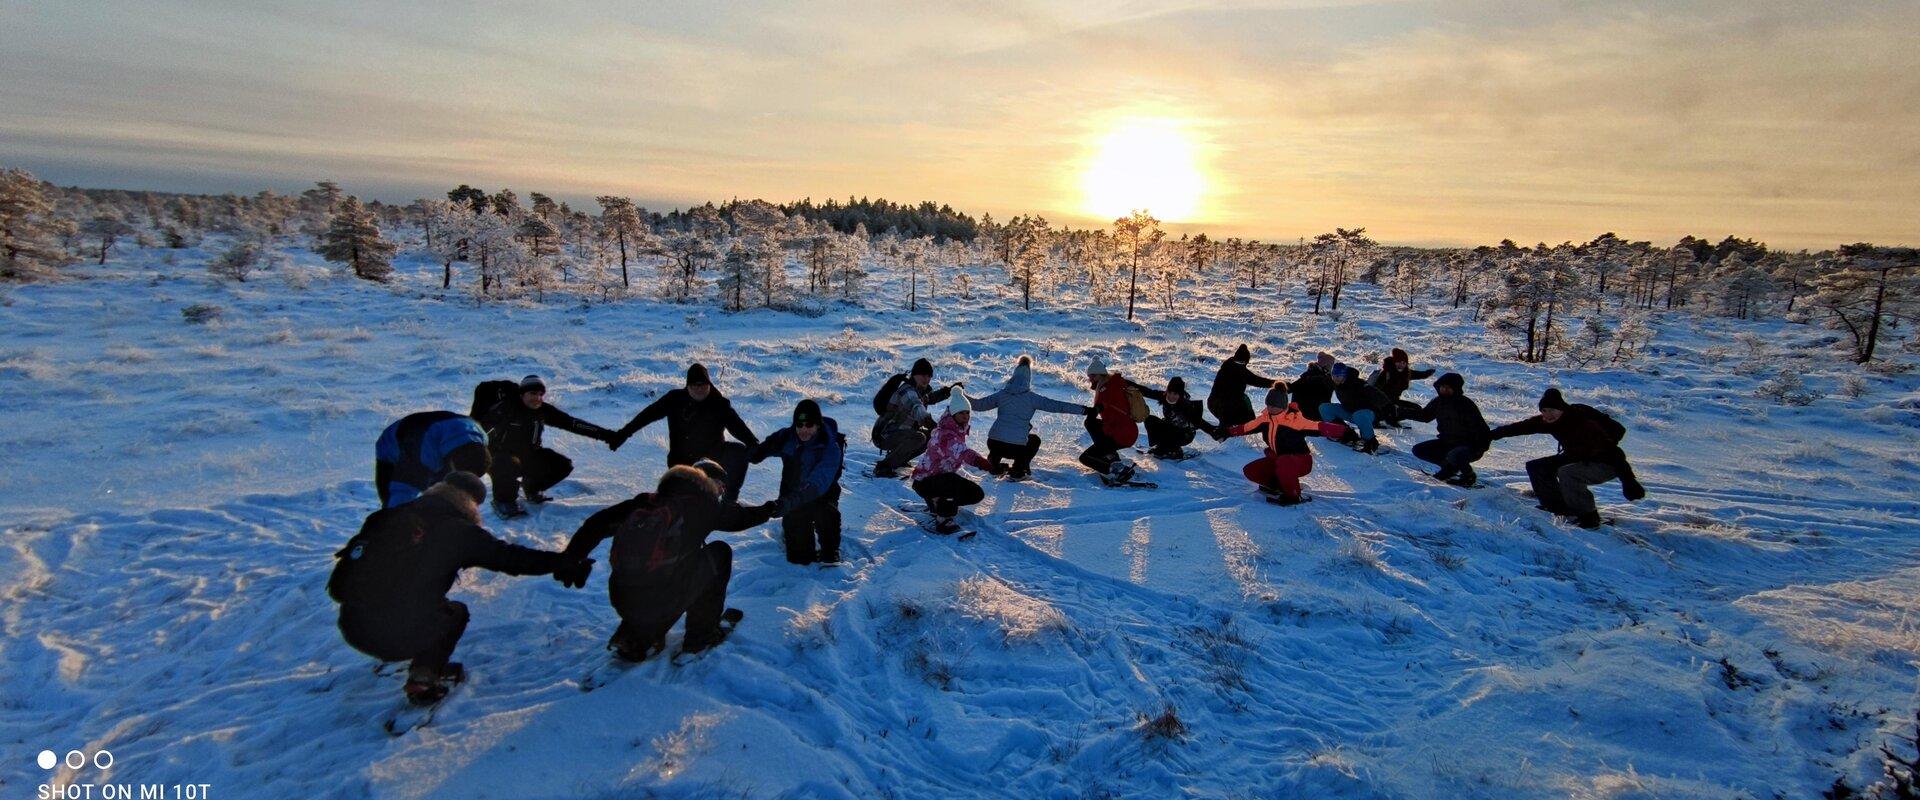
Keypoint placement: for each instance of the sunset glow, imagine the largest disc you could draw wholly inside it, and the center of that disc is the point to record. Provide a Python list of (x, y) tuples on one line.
[(1151, 165)]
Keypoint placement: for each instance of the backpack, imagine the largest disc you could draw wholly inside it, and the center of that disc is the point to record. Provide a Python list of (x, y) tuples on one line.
[(1136, 405), (887, 390), (648, 541), (489, 394)]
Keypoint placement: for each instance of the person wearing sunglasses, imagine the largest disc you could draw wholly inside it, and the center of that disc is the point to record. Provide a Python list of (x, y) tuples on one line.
[(813, 454)]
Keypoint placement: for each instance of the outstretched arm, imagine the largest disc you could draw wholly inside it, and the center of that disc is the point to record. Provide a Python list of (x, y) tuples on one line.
[(654, 412), (553, 416)]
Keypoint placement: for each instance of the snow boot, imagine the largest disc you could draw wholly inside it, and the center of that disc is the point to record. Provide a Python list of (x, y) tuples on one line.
[(1118, 472), (508, 509), (1370, 446), (945, 526), (1588, 520), (539, 497), (426, 693), (1466, 479)]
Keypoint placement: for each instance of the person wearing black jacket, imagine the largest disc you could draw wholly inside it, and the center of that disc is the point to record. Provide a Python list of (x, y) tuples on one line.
[(1393, 378), (661, 564), (1358, 406), (1180, 415), (1228, 398), (1589, 454), (514, 429), (1461, 431), (698, 419), (391, 580), (1314, 387)]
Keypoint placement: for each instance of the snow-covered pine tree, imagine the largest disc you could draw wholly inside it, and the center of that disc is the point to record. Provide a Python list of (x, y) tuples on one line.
[(1793, 273), (1134, 236), (1336, 256), (353, 239), (1737, 287), (763, 229), (1031, 265), (453, 224), (630, 233), (690, 251), (237, 261), (736, 274), (106, 228), (1536, 284), (1867, 289), (849, 257), (29, 237), (1171, 270)]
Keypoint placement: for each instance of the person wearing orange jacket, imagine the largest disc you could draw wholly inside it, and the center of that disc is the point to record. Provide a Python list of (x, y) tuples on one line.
[(1111, 425), (1286, 458)]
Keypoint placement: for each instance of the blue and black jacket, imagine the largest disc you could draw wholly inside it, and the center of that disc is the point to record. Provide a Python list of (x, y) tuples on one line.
[(411, 454)]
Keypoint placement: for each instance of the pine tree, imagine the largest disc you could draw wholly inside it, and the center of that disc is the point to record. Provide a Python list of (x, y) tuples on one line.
[(353, 238), (1867, 289), (1030, 256), (28, 236), (107, 228), (1135, 235), (1336, 255), (1536, 285), (455, 224), (736, 274)]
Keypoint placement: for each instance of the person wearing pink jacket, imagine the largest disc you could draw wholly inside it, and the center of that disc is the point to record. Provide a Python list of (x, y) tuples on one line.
[(937, 477)]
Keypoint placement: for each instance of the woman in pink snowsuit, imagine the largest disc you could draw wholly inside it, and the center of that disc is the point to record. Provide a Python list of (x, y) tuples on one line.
[(937, 478)]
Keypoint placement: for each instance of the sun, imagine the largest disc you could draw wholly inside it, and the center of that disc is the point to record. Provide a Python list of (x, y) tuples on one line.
[(1147, 164)]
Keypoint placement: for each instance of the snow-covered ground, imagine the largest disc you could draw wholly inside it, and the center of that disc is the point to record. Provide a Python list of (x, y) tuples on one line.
[(173, 493)]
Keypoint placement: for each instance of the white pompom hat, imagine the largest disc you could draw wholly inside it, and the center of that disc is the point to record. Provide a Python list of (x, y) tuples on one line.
[(958, 403)]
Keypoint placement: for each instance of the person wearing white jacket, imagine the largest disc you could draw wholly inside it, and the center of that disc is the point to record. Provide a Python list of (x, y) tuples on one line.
[(1012, 437)]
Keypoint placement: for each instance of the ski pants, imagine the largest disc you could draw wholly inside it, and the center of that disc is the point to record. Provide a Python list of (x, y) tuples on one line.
[(1281, 472), (1361, 420), (1232, 412), (1020, 454), (900, 448), (1161, 433), (1561, 482), (428, 643), (947, 492), (813, 530), (648, 608), (534, 472), (1451, 458), (1100, 456)]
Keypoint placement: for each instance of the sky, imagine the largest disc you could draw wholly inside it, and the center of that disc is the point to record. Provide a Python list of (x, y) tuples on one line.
[(1440, 123)]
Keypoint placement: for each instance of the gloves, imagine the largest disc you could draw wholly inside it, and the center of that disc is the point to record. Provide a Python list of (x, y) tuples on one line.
[(574, 575), (771, 508), (996, 468), (1091, 411), (1219, 436), (614, 441)]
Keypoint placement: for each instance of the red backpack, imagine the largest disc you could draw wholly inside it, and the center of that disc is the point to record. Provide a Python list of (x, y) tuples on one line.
[(648, 541)]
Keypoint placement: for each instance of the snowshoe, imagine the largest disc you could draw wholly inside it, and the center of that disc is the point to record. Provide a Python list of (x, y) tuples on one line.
[(1464, 480), (423, 699), (508, 509), (945, 526)]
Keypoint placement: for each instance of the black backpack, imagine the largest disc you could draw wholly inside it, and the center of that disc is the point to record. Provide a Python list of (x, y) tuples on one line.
[(489, 394), (1615, 431), (887, 391), (648, 541)]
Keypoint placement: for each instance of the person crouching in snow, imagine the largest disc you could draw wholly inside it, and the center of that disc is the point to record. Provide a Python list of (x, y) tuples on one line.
[(812, 455), (1012, 436), (1286, 458), (937, 478), (1180, 415), (1357, 405), (391, 580), (1589, 454), (421, 449), (515, 429), (1110, 423), (661, 564), (1461, 431)]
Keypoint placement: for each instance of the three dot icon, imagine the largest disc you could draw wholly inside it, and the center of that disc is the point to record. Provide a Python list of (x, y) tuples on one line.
[(75, 759)]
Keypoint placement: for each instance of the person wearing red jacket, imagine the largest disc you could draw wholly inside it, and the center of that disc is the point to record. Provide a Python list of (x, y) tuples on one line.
[(1110, 424), (937, 477), (1286, 458)]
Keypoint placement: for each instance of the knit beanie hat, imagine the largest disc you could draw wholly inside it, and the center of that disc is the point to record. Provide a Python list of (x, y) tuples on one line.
[(1243, 355), (468, 483), (1452, 379), (922, 366), (697, 375), (1277, 396), (1098, 367), (1552, 399), (1342, 371), (1325, 360), (1176, 385), (957, 403), (531, 383), (806, 411)]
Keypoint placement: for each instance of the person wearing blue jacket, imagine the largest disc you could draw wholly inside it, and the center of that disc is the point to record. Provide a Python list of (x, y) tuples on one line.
[(1012, 437), (812, 454), (418, 450)]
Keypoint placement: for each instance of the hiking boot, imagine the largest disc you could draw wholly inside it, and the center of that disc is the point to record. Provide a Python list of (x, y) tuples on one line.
[(1370, 446), (945, 526), (1350, 437), (635, 651), (1288, 500), (508, 509), (422, 693), (1445, 474), (1464, 480), (1019, 474), (1588, 520), (828, 557), (1119, 472), (538, 497)]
